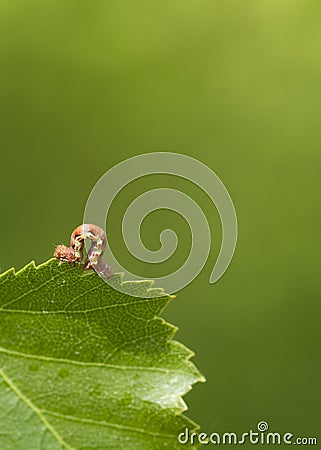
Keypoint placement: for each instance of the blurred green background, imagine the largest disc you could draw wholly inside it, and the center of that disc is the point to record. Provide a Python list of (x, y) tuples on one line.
[(236, 84)]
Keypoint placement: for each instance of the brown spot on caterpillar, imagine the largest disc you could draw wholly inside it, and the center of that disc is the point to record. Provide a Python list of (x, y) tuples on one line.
[(65, 254)]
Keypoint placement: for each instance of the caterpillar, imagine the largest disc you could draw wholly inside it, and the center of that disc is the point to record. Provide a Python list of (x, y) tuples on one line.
[(75, 252)]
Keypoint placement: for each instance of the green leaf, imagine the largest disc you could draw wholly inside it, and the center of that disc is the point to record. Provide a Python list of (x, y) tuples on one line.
[(84, 366)]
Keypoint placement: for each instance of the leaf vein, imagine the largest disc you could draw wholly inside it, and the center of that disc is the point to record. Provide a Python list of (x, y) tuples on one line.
[(89, 364), (108, 424), (35, 409)]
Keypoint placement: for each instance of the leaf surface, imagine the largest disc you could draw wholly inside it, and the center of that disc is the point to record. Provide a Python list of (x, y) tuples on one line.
[(84, 366)]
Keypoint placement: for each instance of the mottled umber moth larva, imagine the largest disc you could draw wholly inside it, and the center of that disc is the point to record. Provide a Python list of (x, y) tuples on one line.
[(75, 252)]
